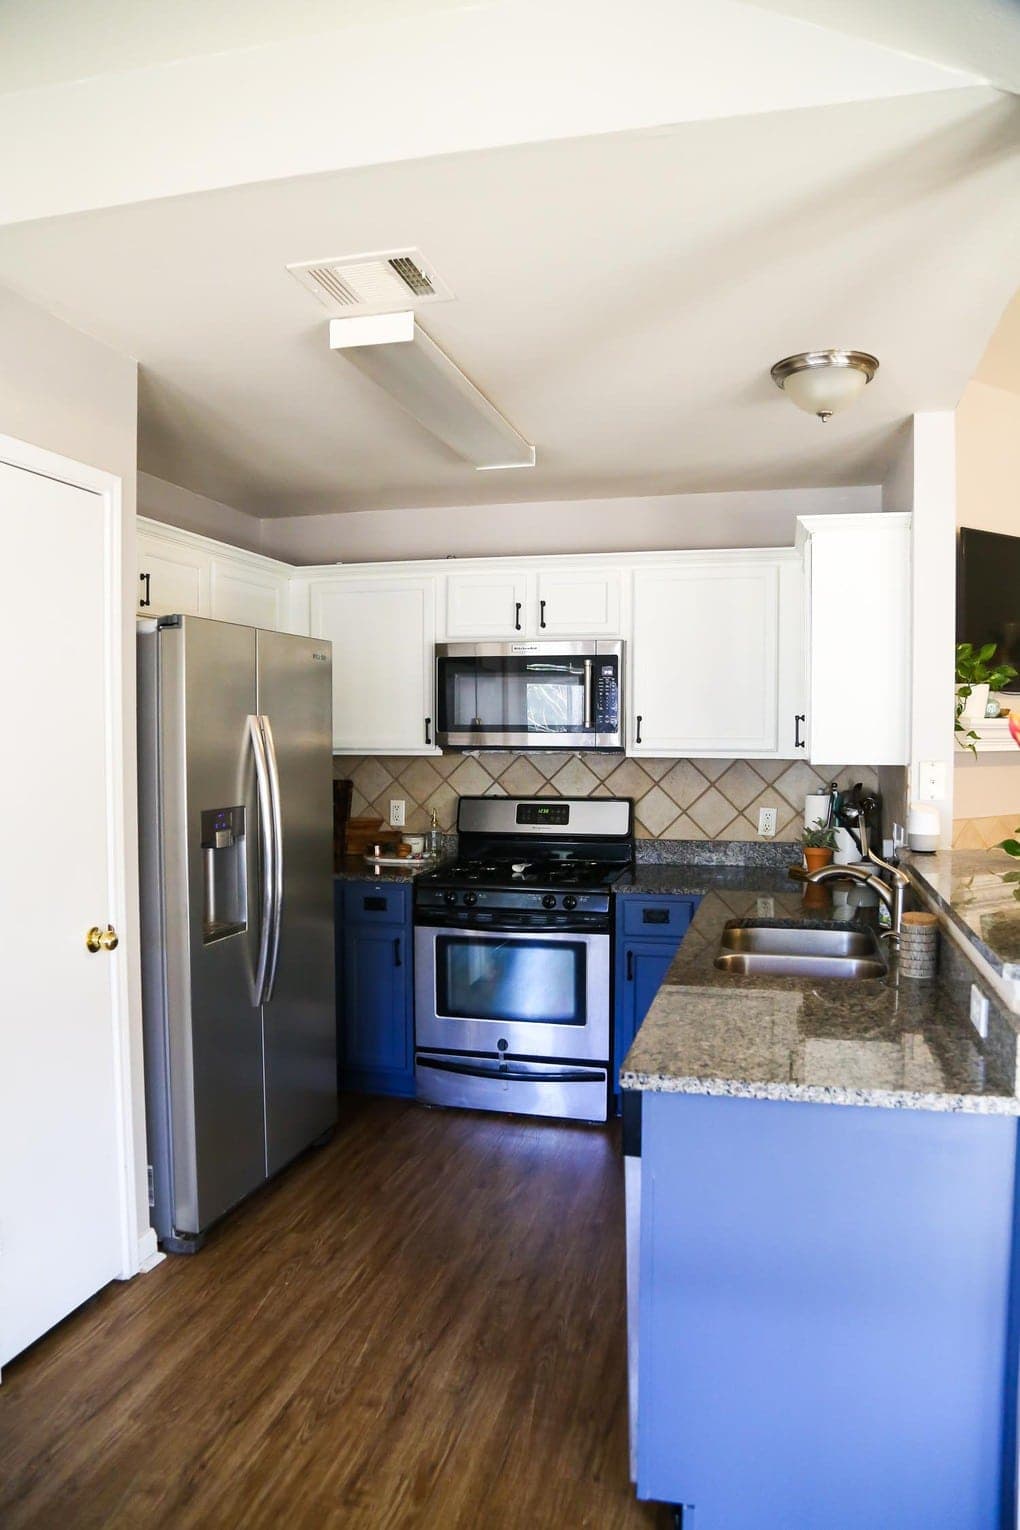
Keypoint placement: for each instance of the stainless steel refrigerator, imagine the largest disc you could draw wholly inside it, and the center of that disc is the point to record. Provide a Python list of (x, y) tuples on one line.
[(235, 815)]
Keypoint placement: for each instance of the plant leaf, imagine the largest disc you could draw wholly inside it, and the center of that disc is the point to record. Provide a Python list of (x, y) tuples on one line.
[(1011, 846)]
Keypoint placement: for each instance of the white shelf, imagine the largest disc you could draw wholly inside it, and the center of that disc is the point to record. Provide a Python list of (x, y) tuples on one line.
[(993, 736)]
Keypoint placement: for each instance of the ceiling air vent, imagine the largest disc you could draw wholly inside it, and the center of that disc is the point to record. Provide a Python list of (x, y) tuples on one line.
[(363, 284)]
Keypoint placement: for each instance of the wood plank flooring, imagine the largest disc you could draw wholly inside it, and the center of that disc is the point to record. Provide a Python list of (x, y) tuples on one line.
[(420, 1325)]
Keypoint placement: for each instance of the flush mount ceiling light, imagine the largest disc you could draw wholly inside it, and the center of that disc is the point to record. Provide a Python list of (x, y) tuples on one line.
[(824, 382), (396, 353)]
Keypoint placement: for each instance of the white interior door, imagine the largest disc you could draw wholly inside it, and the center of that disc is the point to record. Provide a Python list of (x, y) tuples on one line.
[(62, 1147)]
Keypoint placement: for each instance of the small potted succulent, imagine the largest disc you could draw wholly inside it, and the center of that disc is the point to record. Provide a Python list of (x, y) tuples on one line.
[(819, 843), (976, 675)]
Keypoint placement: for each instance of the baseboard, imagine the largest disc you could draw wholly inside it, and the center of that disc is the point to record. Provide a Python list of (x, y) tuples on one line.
[(148, 1252)]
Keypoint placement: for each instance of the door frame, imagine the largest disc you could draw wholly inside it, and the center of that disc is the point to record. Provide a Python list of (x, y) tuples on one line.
[(121, 818)]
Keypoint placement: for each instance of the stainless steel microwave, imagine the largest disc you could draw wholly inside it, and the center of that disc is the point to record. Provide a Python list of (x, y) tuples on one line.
[(524, 695)]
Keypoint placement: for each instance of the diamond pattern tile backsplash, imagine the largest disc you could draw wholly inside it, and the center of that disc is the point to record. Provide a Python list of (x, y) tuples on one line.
[(675, 799)]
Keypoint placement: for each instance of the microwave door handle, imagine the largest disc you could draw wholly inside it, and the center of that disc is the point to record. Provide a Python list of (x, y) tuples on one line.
[(589, 697), (267, 846)]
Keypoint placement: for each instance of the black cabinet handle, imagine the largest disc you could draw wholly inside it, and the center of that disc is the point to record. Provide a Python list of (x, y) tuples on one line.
[(655, 916), (630, 966), (541, 613), (637, 736), (517, 616), (798, 742), (397, 961), (147, 600), (428, 730)]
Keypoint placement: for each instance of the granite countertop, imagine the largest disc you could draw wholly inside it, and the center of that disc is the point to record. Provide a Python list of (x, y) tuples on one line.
[(356, 869), (979, 892), (892, 1042)]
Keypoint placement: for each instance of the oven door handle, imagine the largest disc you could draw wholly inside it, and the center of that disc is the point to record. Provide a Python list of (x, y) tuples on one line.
[(593, 1075)]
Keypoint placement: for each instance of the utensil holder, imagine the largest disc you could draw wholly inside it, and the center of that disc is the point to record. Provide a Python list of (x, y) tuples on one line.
[(919, 945)]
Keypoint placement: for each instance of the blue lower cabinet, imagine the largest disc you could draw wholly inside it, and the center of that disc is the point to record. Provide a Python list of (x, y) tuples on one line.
[(375, 994), (648, 934)]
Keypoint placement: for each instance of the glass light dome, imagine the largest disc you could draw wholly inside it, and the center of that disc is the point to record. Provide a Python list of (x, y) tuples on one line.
[(825, 382)]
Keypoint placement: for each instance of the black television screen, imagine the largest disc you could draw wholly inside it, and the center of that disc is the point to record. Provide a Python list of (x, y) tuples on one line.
[(988, 593)]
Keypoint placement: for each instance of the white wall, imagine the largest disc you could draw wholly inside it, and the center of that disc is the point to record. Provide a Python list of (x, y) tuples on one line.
[(175, 506), (741, 519), (66, 392), (988, 497)]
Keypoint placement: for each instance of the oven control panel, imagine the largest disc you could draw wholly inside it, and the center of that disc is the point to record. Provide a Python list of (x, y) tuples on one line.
[(484, 905)]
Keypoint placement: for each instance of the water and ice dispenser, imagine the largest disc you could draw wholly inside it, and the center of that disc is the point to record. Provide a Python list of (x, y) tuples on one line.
[(225, 910)]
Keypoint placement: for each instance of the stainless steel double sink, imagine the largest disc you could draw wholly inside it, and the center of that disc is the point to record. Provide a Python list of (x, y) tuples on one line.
[(760, 948)]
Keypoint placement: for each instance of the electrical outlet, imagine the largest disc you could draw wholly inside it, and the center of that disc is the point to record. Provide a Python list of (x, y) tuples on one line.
[(397, 812), (979, 1011), (767, 822), (765, 908)]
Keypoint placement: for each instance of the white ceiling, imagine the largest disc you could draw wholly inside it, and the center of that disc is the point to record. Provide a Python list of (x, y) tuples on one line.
[(621, 298), (982, 36), (1000, 364)]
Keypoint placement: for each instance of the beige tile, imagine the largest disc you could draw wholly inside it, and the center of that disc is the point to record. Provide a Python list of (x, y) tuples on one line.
[(683, 827), (968, 837), (600, 765), (418, 819), (797, 782), (470, 779), (574, 779), (548, 790), (370, 778), (419, 779), (549, 761), (712, 812), (496, 761), (497, 789), (521, 779), (656, 767), (394, 764), (770, 770), (786, 816), (359, 804), (738, 828), (443, 802), (447, 762), (629, 780), (684, 782), (740, 784), (713, 769), (656, 811), (640, 832), (344, 766)]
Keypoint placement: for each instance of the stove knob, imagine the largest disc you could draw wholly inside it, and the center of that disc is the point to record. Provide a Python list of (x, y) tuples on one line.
[(470, 898), (570, 901), (548, 900), (449, 897)]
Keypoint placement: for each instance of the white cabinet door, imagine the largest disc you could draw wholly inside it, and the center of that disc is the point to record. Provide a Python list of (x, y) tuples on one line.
[(173, 576), (63, 1032), (857, 570), (245, 593), (382, 631), (486, 605), (705, 659), (578, 603)]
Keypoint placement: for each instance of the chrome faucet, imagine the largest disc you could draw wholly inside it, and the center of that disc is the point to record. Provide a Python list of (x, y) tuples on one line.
[(892, 893)]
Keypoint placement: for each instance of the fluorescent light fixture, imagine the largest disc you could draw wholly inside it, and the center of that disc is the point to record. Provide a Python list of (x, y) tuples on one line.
[(395, 352)]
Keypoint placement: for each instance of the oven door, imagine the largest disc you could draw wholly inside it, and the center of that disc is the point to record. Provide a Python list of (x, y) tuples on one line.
[(528, 993)]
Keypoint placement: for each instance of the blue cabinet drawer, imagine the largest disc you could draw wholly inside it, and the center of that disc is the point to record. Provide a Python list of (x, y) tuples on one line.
[(656, 918), (375, 902)]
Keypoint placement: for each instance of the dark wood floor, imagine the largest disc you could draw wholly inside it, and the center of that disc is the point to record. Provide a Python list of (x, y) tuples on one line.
[(420, 1325)]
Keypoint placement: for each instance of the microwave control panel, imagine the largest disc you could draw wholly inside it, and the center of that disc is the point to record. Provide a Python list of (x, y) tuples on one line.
[(607, 699)]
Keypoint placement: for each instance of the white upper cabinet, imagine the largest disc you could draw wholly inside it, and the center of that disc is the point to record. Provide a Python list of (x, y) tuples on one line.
[(383, 632), (858, 621), (712, 662), (505, 603), (247, 593), (173, 573), (579, 602), (486, 605)]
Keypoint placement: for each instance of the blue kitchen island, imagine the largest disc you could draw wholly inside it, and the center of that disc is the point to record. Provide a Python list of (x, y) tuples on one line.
[(822, 1244)]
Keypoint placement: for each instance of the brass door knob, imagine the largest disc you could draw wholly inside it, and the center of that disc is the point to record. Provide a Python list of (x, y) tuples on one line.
[(102, 940)]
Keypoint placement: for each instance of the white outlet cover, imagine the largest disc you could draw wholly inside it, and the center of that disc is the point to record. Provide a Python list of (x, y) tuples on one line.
[(767, 822), (398, 812), (978, 1011)]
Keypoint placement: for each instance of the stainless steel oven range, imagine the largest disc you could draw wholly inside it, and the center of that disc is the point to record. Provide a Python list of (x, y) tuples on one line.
[(512, 957)]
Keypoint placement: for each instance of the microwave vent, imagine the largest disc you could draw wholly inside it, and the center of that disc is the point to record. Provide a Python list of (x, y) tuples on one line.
[(376, 283)]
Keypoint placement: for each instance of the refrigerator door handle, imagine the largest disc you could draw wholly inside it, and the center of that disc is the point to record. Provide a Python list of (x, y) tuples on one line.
[(267, 843), (276, 811)]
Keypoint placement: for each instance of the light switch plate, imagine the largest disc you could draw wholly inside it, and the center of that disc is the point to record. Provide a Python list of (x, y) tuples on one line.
[(931, 781)]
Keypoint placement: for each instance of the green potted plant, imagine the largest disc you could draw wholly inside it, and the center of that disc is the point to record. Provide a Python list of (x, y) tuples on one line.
[(819, 843), (976, 675)]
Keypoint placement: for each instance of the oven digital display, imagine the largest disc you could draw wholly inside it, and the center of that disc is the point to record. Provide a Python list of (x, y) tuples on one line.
[(543, 812)]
